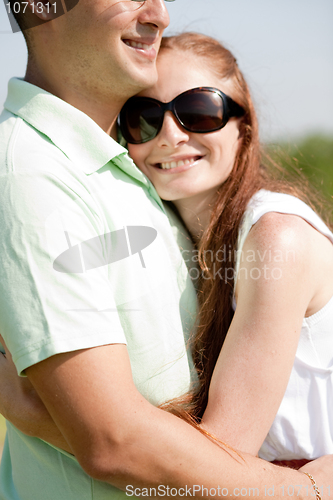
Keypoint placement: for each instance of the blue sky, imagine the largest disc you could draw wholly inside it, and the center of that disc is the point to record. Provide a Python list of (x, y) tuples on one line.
[(284, 47)]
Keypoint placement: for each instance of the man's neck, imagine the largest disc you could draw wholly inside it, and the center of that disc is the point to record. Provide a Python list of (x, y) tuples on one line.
[(100, 108)]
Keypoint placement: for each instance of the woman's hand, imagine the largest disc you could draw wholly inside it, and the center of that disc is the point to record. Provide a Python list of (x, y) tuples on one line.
[(322, 472), (19, 402), (21, 405)]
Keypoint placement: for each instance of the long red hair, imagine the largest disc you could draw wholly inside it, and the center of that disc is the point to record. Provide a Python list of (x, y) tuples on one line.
[(247, 177)]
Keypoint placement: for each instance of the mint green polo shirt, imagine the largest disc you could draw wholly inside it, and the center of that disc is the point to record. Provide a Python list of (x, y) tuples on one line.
[(88, 257)]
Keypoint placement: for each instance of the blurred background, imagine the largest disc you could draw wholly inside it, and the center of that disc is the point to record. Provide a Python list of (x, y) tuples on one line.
[(285, 50)]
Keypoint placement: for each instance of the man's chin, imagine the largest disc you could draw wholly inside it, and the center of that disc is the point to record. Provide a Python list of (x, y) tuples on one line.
[(145, 82)]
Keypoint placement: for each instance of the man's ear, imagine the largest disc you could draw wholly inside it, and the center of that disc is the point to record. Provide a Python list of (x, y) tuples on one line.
[(26, 14), (45, 10)]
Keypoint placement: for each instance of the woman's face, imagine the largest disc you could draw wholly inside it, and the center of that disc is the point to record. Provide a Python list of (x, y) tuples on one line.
[(184, 164)]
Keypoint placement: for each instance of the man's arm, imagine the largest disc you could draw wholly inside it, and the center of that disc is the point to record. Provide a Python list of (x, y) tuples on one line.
[(115, 433), (120, 438), (28, 413)]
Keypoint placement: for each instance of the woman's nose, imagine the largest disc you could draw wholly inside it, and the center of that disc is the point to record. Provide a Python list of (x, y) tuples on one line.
[(172, 134)]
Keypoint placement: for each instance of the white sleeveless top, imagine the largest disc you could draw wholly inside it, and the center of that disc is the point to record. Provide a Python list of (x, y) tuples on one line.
[(303, 426)]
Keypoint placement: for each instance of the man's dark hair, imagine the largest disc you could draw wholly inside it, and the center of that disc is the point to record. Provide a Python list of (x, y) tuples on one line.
[(18, 14), (26, 17)]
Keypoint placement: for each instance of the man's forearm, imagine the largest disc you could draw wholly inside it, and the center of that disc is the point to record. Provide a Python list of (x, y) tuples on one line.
[(120, 438), (265, 480), (170, 453), (261, 478)]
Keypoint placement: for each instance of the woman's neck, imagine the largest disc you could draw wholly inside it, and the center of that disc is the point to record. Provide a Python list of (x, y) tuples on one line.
[(196, 213)]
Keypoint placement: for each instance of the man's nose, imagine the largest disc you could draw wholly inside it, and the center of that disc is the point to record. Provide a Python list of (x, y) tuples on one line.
[(154, 12)]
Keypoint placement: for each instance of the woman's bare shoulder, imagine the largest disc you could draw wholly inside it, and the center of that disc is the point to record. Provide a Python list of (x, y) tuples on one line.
[(303, 250)]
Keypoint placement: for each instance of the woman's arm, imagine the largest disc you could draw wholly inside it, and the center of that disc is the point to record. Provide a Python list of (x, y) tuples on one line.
[(254, 366), (279, 279), (211, 467), (21, 405)]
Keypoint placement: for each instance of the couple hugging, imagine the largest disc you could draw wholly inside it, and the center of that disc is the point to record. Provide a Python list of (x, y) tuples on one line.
[(112, 356)]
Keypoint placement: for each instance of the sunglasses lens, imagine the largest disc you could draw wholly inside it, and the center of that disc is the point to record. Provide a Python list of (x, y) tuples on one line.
[(140, 120), (200, 111)]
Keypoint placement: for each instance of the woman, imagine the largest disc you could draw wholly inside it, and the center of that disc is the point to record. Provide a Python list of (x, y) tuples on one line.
[(201, 151), (267, 252)]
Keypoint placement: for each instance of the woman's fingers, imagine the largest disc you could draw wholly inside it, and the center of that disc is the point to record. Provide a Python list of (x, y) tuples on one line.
[(322, 471)]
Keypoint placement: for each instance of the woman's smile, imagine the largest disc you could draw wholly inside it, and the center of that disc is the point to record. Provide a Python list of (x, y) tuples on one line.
[(178, 165), (185, 165)]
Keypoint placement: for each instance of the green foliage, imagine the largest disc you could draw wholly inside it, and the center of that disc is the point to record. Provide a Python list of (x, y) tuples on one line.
[(312, 155)]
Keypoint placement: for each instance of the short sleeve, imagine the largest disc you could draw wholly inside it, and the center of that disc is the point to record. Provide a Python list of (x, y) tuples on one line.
[(46, 309)]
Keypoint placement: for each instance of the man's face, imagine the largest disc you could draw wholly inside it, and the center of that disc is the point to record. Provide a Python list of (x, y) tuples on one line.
[(110, 46)]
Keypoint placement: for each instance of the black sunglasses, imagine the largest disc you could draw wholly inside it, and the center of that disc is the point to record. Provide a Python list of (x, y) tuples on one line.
[(200, 110)]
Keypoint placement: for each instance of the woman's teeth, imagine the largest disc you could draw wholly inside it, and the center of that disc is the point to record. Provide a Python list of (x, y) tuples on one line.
[(138, 45), (174, 164)]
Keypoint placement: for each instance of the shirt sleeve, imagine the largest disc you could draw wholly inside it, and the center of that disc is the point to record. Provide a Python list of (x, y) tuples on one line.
[(48, 308)]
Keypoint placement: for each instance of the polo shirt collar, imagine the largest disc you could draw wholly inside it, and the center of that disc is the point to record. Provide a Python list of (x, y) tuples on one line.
[(71, 130)]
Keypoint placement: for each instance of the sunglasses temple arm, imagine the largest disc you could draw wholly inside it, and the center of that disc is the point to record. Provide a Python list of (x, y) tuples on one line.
[(235, 109)]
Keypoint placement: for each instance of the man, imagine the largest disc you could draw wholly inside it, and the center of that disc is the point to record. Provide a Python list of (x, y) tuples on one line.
[(97, 329)]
